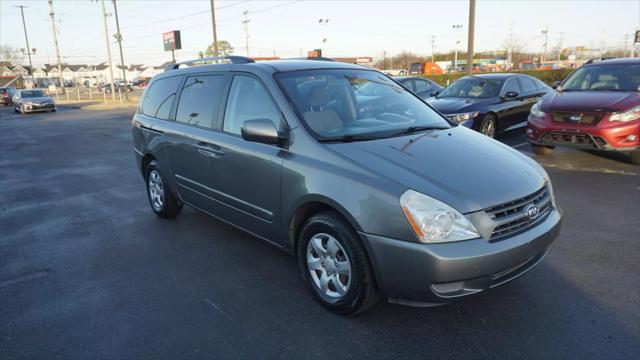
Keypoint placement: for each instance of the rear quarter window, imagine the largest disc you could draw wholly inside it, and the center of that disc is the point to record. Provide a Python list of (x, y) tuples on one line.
[(160, 96)]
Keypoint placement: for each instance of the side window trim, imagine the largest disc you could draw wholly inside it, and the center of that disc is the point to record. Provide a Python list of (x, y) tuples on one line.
[(227, 92)]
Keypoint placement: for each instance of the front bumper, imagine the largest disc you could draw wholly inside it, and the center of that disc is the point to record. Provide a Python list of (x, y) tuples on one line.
[(605, 135), (39, 107), (414, 273)]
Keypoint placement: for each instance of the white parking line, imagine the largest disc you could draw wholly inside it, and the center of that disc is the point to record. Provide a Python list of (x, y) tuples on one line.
[(519, 145)]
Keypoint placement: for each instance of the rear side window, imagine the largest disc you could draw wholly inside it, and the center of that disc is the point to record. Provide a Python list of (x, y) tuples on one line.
[(159, 98), (409, 84), (248, 100), (198, 102)]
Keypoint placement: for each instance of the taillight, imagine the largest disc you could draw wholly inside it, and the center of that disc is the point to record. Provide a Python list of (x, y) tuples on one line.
[(5, 94)]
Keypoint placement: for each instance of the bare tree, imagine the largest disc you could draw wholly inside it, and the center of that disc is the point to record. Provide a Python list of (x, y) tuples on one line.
[(11, 54), (515, 49)]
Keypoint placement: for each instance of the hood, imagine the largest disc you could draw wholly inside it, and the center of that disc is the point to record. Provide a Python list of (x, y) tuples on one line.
[(38, 100), (460, 167), (458, 105), (590, 101)]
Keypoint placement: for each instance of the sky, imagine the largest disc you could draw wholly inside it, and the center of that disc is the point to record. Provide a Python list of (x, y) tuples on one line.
[(290, 28)]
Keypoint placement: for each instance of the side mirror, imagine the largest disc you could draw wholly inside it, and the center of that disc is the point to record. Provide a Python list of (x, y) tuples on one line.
[(556, 84), (510, 95), (435, 93), (262, 131)]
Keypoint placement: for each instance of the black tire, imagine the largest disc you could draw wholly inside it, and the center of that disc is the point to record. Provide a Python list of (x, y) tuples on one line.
[(170, 207), (542, 150), (635, 157), (488, 126), (362, 292)]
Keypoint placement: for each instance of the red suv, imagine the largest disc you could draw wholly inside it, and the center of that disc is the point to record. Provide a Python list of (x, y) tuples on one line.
[(597, 107)]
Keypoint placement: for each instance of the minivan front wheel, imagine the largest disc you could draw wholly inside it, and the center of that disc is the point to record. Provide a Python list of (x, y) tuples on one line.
[(161, 199), (335, 266)]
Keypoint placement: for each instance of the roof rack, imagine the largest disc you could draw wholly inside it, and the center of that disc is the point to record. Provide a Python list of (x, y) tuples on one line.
[(591, 61), (213, 59)]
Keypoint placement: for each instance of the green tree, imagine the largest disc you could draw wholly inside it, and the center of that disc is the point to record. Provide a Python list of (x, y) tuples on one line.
[(224, 49)]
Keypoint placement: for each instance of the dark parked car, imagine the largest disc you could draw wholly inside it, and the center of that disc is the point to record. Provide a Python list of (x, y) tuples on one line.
[(374, 194), (490, 103), (117, 85), (597, 107), (6, 95), (26, 101), (422, 87)]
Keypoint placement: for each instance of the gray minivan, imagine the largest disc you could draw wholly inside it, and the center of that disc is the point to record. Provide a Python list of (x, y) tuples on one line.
[(375, 194)]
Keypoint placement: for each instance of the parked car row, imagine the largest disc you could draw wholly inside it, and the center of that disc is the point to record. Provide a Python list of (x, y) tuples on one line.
[(597, 107)]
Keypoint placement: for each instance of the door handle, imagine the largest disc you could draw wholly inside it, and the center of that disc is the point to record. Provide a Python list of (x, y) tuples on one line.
[(210, 150)]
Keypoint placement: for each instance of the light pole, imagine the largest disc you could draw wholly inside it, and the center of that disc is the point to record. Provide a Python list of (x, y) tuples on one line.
[(455, 54), (323, 25)]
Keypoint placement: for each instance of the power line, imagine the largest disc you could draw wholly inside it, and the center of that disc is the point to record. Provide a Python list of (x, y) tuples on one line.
[(183, 16)]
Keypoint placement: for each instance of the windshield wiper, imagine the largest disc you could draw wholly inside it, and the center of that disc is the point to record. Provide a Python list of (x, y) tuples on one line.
[(350, 138), (413, 129)]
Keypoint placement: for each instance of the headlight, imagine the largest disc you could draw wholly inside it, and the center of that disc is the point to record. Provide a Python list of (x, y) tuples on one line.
[(536, 112), (629, 115), (462, 116), (434, 221)]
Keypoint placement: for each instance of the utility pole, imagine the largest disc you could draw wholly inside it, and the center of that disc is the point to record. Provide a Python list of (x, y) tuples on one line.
[(213, 26), (472, 24), (433, 48), (118, 37), (106, 37), (384, 59), (26, 38), (55, 41), (546, 42), (246, 30), (511, 43)]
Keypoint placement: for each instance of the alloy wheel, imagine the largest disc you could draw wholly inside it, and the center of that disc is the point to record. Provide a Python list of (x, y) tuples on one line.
[(489, 128), (156, 190), (328, 266)]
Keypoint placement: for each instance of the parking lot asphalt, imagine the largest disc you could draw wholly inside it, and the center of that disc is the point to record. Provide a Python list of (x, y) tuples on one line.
[(87, 270)]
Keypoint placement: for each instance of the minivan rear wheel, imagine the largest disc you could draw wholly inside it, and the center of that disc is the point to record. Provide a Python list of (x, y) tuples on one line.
[(161, 199), (335, 266), (542, 150)]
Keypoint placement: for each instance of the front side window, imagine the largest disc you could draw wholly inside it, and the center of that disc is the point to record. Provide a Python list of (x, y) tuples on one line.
[(471, 87), (422, 85), (159, 98), (528, 85), (511, 85), (248, 100), (199, 100), (352, 104), (604, 78)]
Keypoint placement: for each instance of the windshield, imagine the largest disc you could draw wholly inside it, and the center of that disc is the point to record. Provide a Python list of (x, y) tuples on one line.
[(471, 87), (343, 104), (604, 78), (32, 93)]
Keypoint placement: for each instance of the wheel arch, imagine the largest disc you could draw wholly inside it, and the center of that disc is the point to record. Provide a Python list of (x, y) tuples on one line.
[(309, 207)]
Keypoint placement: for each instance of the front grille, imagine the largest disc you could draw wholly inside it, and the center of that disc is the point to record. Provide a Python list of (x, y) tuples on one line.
[(571, 138), (577, 118), (511, 217)]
